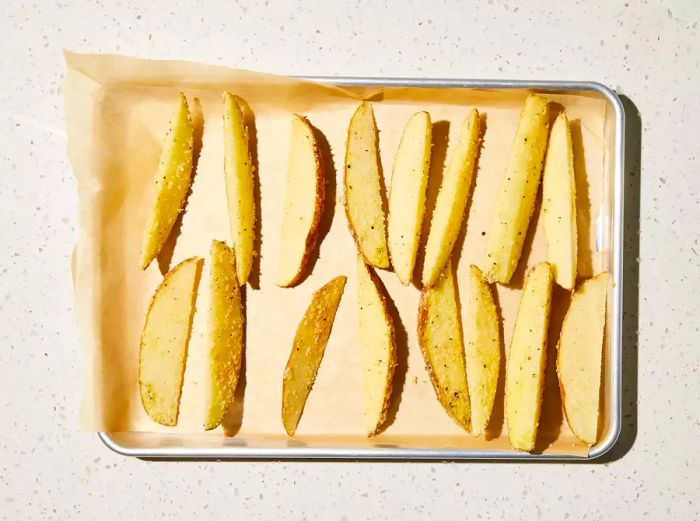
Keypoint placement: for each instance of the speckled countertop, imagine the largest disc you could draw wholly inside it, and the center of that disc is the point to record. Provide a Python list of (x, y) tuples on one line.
[(648, 51)]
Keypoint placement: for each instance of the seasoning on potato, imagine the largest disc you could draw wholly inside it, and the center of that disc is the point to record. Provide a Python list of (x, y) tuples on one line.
[(307, 351), (363, 188), (172, 182), (515, 203), (164, 341)]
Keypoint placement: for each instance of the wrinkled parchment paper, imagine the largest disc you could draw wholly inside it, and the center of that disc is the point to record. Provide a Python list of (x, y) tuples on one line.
[(118, 109)]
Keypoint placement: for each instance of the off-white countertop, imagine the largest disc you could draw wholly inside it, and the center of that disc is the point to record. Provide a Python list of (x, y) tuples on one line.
[(648, 51)]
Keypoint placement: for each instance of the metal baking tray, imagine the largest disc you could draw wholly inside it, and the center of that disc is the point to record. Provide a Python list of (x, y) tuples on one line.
[(609, 234)]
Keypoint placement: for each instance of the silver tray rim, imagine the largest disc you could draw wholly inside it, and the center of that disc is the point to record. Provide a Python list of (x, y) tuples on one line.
[(415, 454)]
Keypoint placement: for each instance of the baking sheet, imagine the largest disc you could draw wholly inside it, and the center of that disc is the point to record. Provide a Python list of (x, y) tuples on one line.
[(117, 110)]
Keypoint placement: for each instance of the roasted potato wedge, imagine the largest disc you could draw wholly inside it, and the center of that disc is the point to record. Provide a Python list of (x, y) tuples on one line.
[(579, 358), (482, 330), (515, 203), (377, 346), (303, 205), (172, 183), (409, 181), (307, 351), (226, 334), (240, 184), (559, 204), (164, 340), (452, 199), (440, 339), (363, 186), (526, 359)]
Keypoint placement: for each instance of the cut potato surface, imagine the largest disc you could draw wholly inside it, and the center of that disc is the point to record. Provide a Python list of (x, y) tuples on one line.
[(515, 203), (559, 204), (526, 359), (580, 354), (452, 199), (409, 181), (239, 170), (363, 186), (307, 351), (483, 348), (226, 333), (164, 340), (303, 205), (172, 183), (377, 346), (440, 339)]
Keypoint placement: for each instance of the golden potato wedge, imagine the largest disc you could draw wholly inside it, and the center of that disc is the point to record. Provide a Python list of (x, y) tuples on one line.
[(515, 203), (482, 330), (559, 204), (226, 333), (164, 340), (307, 352), (377, 346), (526, 358), (440, 339), (452, 199), (409, 181), (240, 183), (579, 358), (303, 205), (363, 185), (172, 183)]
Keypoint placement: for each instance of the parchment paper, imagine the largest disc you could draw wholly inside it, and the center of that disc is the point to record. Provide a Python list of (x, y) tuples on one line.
[(118, 109)]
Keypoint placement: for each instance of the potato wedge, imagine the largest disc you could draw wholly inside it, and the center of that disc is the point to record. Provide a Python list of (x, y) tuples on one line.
[(172, 183), (515, 203), (440, 339), (240, 181), (307, 352), (579, 357), (482, 330), (559, 204), (452, 200), (226, 333), (377, 346), (164, 340), (409, 181), (526, 359), (303, 205), (363, 184)]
